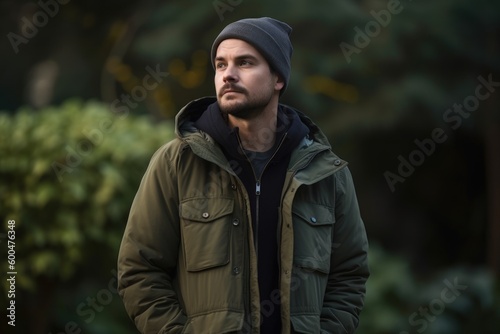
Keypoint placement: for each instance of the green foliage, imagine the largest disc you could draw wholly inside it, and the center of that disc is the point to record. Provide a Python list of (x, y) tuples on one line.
[(69, 174), (423, 58), (455, 301), (389, 288)]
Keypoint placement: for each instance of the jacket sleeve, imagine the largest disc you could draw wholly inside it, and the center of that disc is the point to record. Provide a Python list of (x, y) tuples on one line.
[(349, 271), (149, 251)]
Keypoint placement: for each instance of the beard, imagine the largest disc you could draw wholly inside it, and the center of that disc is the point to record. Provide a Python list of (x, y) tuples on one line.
[(243, 105)]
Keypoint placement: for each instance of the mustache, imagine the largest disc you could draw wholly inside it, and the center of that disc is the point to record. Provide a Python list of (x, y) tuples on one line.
[(231, 87)]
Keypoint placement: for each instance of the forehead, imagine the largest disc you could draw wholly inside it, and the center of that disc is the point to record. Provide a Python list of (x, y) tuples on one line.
[(236, 47)]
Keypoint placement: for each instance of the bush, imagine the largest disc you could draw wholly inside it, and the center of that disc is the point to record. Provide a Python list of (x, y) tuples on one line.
[(455, 301), (69, 175)]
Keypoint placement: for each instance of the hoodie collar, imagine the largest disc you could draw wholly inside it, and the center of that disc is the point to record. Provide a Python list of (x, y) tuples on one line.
[(290, 129)]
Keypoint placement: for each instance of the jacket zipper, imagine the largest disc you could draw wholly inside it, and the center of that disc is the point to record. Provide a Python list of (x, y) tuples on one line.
[(257, 189)]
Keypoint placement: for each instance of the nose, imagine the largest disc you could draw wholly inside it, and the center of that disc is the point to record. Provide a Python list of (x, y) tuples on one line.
[(230, 74)]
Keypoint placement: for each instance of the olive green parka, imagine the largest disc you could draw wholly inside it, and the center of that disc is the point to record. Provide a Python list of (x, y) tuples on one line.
[(187, 263)]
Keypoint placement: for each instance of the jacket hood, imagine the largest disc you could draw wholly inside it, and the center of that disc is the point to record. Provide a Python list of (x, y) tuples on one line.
[(204, 114)]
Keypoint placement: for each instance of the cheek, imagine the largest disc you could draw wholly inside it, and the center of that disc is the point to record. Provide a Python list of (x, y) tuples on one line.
[(217, 81), (267, 80)]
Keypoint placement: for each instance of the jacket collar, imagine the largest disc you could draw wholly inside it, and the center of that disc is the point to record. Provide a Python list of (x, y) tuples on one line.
[(204, 114), (201, 142)]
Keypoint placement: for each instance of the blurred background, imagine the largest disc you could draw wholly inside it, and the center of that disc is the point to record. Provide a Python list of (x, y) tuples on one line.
[(407, 91)]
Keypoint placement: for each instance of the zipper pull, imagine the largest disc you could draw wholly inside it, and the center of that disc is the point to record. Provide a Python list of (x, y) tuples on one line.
[(257, 188)]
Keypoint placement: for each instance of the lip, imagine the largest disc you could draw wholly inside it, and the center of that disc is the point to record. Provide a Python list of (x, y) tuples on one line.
[(230, 91), (226, 89)]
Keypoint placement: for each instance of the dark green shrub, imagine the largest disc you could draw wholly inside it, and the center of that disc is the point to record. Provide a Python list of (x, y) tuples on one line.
[(68, 176)]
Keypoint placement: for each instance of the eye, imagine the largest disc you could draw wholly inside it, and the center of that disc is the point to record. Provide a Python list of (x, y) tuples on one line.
[(245, 63), (220, 65)]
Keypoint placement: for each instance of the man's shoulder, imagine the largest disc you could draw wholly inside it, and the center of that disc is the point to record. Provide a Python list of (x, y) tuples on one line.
[(170, 150)]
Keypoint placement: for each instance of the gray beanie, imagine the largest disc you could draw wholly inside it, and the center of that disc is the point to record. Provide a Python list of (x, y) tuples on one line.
[(269, 36)]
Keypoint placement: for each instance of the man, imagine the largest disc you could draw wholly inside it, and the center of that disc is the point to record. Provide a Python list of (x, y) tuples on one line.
[(246, 222)]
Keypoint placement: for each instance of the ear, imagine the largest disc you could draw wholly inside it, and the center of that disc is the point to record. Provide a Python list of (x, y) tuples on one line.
[(280, 83)]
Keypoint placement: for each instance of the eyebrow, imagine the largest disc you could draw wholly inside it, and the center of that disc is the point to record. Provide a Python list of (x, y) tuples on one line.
[(243, 56)]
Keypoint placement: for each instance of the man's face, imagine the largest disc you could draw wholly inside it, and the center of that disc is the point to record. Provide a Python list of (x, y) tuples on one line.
[(244, 82)]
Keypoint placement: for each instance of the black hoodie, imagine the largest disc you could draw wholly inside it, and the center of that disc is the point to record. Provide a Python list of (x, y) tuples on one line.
[(265, 201)]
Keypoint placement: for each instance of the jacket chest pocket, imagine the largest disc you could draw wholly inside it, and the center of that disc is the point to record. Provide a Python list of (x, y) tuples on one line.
[(313, 229), (206, 232)]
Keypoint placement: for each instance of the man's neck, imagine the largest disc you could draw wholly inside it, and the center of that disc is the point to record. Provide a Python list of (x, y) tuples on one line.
[(257, 134)]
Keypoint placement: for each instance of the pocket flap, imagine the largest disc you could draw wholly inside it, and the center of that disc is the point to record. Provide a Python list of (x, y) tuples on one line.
[(206, 209), (314, 214)]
